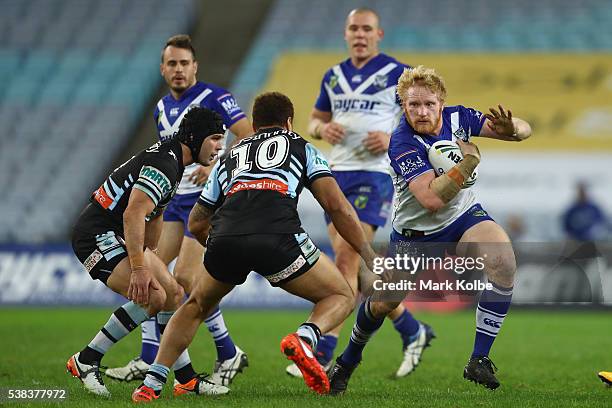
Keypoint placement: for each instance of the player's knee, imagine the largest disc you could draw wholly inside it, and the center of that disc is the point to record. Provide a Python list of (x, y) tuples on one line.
[(501, 268), (157, 300), (173, 294), (184, 281)]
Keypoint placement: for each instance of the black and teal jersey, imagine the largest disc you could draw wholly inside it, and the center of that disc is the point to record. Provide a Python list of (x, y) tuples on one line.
[(255, 187), (155, 171)]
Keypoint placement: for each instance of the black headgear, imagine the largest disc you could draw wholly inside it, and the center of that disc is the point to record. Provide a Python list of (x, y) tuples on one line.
[(197, 125)]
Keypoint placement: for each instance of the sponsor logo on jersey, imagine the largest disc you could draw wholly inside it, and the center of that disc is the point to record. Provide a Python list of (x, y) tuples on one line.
[(157, 178), (357, 78), (361, 201), (174, 112), (263, 184), (102, 198), (321, 161), (380, 81), (479, 213), (355, 104), (288, 271), (492, 323), (92, 260), (408, 166), (229, 104)]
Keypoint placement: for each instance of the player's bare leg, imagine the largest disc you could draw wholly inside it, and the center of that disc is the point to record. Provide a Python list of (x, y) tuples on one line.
[(415, 336), (189, 266), (488, 238), (85, 364), (334, 299), (231, 360), (179, 334), (168, 249)]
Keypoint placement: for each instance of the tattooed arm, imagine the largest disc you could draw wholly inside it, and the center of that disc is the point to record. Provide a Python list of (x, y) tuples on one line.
[(199, 222)]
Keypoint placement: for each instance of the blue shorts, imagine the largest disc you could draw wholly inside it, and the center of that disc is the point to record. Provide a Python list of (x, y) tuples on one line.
[(453, 232), (369, 192), (179, 208)]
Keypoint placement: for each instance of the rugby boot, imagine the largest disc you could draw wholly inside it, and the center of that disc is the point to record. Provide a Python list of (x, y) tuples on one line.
[(481, 370), (413, 351), (225, 371), (135, 369), (300, 352), (144, 394), (339, 377), (89, 374), (199, 385)]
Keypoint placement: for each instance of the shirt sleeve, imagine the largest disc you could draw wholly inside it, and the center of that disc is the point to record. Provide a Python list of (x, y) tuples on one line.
[(225, 104), (471, 120), (316, 164), (410, 162), (157, 177), (323, 103), (212, 195)]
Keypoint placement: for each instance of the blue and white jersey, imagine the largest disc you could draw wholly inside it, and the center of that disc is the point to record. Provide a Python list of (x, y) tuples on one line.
[(256, 186), (408, 152), (361, 100), (169, 113)]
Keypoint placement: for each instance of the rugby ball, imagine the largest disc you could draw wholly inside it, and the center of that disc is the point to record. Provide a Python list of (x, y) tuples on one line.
[(444, 155)]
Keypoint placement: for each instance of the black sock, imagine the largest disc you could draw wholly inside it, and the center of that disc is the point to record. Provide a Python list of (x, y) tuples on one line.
[(90, 356), (185, 374)]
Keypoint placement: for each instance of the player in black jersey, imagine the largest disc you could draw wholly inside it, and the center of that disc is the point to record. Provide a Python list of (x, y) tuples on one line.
[(116, 235), (251, 196)]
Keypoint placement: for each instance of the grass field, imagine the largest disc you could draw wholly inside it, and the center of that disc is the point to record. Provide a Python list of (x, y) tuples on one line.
[(545, 358)]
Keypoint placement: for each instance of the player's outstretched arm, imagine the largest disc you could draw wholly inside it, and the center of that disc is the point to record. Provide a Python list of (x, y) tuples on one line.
[(199, 222), (343, 215), (499, 124)]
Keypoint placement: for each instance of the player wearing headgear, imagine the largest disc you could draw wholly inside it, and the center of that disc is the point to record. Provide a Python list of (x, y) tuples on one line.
[(355, 112), (179, 68), (433, 209), (116, 233), (250, 204)]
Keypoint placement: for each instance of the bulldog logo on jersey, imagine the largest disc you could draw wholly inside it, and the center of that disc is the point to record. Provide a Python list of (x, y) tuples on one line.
[(461, 134), (380, 81), (333, 81)]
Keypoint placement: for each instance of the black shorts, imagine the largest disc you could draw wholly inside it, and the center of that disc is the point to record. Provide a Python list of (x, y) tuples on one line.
[(277, 257), (99, 253)]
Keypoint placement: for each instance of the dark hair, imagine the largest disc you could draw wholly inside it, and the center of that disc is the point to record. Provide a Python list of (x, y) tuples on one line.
[(179, 41), (197, 125), (271, 108)]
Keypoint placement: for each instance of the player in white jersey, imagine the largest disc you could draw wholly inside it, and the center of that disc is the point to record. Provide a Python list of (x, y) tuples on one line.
[(179, 68), (432, 209), (356, 111)]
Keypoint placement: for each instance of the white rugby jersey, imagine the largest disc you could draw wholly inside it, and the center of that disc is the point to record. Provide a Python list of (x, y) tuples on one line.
[(169, 112), (408, 152), (361, 100)]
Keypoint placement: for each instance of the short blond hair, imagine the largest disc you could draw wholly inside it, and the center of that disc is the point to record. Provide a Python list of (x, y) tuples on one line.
[(424, 76)]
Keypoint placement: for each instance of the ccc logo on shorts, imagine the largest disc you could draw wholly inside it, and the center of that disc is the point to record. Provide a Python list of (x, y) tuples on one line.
[(360, 202)]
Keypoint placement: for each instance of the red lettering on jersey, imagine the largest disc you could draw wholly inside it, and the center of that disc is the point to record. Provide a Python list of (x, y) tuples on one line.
[(102, 198), (263, 184)]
